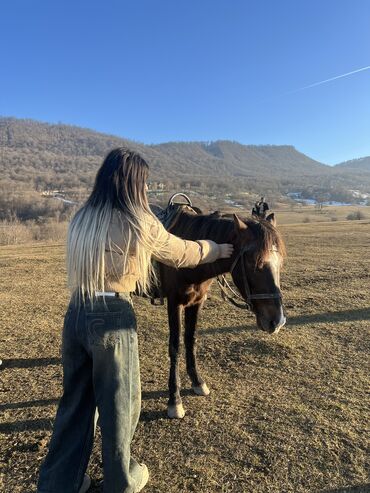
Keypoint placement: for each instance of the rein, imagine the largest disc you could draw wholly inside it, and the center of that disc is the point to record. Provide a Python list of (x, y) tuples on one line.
[(246, 301)]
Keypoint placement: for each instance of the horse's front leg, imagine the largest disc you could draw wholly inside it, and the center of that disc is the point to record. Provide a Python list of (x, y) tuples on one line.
[(191, 319), (175, 408)]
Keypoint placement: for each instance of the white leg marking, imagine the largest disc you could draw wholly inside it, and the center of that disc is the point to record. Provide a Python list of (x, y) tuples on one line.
[(201, 389), (176, 412)]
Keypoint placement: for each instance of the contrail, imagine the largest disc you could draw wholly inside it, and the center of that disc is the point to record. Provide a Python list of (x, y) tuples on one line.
[(329, 80)]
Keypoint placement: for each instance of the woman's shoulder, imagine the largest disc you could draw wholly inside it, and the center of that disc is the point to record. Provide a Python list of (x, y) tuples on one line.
[(118, 222), (119, 216)]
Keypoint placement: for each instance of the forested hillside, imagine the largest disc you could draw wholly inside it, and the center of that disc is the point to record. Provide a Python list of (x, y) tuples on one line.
[(50, 155), (356, 164), (36, 157)]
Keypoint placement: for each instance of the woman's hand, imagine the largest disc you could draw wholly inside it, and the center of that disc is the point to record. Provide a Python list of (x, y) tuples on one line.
[(225, 250)]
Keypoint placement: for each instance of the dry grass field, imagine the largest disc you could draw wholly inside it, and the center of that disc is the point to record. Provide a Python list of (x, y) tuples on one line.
[(286, 413), (298, 214)]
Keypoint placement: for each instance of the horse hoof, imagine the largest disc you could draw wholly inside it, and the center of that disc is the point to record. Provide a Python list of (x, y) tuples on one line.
[(176, 412), (201, 389)]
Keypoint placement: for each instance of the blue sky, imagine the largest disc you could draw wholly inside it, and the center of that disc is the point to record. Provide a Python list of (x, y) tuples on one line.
[(164, 70)]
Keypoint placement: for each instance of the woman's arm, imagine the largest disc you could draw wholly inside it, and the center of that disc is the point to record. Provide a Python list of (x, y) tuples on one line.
[(176, 252)]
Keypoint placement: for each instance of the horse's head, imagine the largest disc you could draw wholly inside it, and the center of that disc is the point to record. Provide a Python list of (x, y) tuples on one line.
[(259, 252)]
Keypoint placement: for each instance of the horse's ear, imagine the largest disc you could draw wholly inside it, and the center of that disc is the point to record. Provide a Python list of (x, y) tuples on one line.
[(271, 219), (239, 225)]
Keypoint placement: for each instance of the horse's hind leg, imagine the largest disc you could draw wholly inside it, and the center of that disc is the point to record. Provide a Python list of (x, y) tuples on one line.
[(175, 408), (191, 318)]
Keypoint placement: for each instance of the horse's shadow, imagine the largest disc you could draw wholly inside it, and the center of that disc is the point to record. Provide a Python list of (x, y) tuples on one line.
[(364, 488), (359, 314)]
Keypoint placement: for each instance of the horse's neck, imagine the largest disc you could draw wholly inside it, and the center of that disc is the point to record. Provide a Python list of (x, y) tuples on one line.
[(190, 222), (204, 272)]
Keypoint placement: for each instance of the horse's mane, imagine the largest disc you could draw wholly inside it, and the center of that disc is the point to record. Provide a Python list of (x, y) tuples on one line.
[(220, 228)]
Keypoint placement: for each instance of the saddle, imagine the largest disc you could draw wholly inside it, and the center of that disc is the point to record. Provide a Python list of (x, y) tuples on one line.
[(169, 216)]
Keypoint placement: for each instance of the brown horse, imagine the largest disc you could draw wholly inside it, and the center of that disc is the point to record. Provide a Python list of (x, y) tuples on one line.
[(255, 269)]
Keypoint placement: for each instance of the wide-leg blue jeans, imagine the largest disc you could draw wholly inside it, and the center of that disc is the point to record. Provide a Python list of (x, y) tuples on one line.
[(100, 371)]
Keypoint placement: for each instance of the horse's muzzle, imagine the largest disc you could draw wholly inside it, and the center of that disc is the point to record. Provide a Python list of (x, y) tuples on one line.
[(271, 326)]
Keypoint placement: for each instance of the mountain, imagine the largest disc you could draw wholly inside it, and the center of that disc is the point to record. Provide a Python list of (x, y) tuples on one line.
[(362, 163), (238, 160), (35, 157), (39, 150)]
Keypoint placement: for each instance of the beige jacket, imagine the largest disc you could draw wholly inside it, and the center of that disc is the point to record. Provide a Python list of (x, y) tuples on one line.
[(173, 251)]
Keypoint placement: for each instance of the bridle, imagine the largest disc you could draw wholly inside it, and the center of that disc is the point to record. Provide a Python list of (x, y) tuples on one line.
[(249, 296)]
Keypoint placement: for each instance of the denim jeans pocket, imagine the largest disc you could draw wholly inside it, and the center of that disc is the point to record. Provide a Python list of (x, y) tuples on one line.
[(109, 328)]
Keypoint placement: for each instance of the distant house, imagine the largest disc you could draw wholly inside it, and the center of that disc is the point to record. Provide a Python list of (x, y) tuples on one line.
[(156, 186), (52, 193)]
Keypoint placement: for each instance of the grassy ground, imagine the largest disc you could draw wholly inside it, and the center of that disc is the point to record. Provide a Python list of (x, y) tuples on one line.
[(304, 214), (286, 413), (296, 214)]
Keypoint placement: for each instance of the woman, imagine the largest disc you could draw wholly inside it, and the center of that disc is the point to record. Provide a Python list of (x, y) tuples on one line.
[(111, 241)]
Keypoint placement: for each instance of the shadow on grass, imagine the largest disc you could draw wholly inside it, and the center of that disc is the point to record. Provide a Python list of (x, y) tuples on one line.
[(228, 330), (46, 424), (340, 316), (146, 395), (29, 362), (153, 394), (22, 405), (27, 425), (363, 488), (148, 416), (158, 394), (360, 314)]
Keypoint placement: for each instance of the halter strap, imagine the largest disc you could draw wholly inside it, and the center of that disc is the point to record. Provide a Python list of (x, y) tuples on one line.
[(248, 294)]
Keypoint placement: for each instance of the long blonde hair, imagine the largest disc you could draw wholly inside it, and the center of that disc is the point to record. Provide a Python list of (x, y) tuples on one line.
[(120, 184)]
